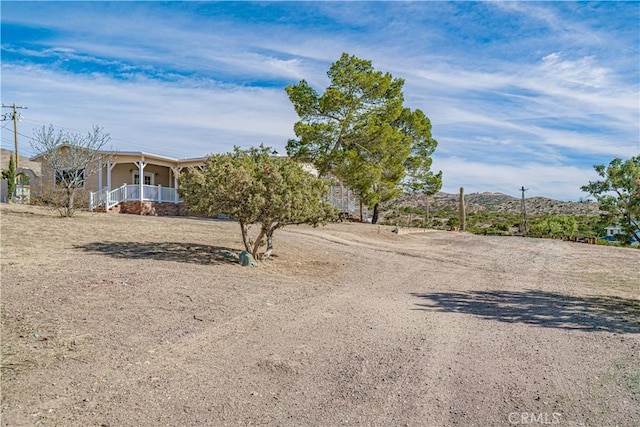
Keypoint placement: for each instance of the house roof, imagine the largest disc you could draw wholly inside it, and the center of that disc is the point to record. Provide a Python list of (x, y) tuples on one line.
[(131, 156), (128, 156), (155, 156), (165, 160)]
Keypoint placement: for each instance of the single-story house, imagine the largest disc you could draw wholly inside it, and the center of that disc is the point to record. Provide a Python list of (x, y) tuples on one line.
[(145, 183), (612, 232), (134, 180)]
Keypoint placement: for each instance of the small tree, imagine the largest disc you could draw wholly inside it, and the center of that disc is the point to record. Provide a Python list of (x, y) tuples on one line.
[(256, 188), (10, 176), (419, 178), (555, 226), (72, 158), (618, 194)]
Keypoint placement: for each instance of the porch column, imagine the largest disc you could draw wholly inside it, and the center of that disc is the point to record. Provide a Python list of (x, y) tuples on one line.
[(176, 174), (100, 174), (141, 165), (110, 167)]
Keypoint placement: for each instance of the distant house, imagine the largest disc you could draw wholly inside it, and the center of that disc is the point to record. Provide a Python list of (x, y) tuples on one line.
[(612, 231), (28, 174)]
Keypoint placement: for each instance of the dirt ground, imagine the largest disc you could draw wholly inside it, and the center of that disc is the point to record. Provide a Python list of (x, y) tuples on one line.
[(122, 320)]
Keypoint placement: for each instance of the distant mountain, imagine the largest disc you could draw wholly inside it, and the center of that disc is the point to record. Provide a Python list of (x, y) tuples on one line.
[(498, 202)]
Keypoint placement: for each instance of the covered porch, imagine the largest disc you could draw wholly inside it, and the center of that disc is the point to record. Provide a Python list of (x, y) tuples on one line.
[(138, 177)]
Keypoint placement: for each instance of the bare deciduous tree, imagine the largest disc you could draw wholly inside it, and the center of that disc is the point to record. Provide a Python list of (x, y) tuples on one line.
[(71, 158)]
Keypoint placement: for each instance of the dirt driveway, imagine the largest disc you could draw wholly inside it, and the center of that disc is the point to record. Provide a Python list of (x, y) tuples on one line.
[(121, 320)]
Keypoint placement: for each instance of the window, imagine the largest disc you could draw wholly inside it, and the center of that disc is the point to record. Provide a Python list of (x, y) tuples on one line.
[(148, 179), (69, 177)]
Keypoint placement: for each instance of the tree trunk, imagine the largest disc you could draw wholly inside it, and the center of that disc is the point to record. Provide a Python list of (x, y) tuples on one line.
[(633, 229), (70, 201), (361, 218), (376, 213), (245, 237), (258, 242), (267, 253), (427, 214)]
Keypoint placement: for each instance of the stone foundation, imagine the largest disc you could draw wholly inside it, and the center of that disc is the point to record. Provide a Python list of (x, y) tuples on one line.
[(152, 208)]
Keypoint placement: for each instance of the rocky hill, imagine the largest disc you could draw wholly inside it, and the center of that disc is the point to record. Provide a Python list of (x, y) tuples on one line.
[(497, 202), (24, 162)]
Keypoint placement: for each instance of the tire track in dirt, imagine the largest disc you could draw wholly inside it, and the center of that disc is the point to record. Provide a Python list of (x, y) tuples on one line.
[(421, 389)]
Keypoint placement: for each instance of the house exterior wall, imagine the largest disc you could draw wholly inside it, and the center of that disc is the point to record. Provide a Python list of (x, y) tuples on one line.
[(90, 181), (161, 175), (118, 168), (4, 191), (47, 176), (122, 173), (612, 231)]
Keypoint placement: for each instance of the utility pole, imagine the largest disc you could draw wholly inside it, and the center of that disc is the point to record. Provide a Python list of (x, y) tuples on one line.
[(15, 116), (462, 215), (523, 220)]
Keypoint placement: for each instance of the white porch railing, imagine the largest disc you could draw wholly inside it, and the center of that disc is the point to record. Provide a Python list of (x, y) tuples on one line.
[(345, 200), (131, 193), (345, 205)]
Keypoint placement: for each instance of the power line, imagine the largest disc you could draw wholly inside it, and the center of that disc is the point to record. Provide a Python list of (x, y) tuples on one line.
[(54, 125), (6, 140), (25, 151)]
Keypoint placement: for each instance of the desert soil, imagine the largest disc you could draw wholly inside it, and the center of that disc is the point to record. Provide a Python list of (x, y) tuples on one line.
[(122, 320)]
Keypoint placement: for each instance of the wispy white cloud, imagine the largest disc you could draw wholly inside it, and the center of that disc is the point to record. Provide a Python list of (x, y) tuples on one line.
[(583, 72), (156, 116), (540, 106), (523, 89)]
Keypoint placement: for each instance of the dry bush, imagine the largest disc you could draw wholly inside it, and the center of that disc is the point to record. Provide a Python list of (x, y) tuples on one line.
[(57, 198)]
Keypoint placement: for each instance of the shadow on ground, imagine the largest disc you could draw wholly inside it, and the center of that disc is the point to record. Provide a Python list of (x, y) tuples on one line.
[(194, 253), (544, 309)]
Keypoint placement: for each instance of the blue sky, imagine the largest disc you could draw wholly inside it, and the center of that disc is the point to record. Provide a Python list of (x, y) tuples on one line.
[(518, 93)]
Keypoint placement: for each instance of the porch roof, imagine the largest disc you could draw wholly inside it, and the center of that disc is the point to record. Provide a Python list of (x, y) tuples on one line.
[(132, 156)]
